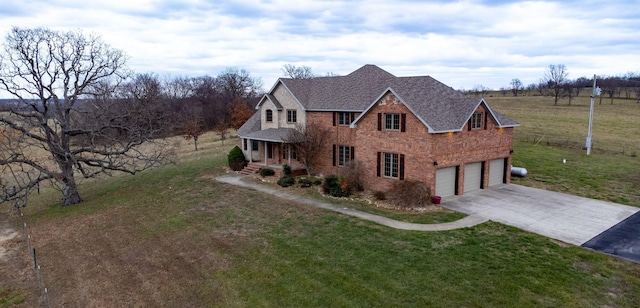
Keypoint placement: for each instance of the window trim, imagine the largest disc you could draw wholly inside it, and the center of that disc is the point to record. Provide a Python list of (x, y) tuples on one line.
[(269, 115), (394, 165), (476, 120), (344, 155), (292, 114), (393, 119), (344, 118)]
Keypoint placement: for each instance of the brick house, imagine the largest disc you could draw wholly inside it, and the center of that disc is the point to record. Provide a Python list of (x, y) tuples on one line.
[(400, 128)]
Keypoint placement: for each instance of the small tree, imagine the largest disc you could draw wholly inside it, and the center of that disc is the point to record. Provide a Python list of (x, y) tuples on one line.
[(222, 129), (556, 77), (516, 86), (309, 141), (192, 126)]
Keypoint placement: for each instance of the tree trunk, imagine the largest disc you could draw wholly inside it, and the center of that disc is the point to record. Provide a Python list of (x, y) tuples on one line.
[(195, 143), (70, 188)]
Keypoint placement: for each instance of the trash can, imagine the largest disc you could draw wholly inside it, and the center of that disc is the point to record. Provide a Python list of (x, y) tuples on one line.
[(436, 199)]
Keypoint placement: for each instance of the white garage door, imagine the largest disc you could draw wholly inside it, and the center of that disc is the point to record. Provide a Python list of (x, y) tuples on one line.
[(472, 177), (496, 172), (446, 182)]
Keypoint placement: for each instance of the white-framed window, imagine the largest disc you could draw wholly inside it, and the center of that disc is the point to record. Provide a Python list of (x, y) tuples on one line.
[(269, 115), (344, 118), (292, 116), (392, 121), (391, 165), (476, 120), (344, 155)]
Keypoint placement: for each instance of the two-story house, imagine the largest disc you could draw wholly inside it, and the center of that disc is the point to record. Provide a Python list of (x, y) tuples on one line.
[(400, 128)]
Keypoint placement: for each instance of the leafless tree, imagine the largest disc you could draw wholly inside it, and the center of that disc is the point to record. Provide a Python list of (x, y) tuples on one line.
[(516, 86), (69, 120), (308, 141), (298, 72), (555, 78), (192, 123), (222, 129)]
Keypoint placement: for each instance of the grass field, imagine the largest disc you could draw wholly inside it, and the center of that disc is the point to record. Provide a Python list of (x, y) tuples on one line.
[(175, 237)]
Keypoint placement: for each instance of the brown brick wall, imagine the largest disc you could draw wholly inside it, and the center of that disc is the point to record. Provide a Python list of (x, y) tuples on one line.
[(420, 149)]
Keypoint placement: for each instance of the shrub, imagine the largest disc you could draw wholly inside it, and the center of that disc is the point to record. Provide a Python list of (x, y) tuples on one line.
[(267, 172), (353, 174), (286, 181), (379, 195), (304, 182), (336, 186), (316, 181), (286, 169), (409, 194), (236, 159)]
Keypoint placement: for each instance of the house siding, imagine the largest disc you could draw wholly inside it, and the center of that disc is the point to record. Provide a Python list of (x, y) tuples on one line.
[(288, 102)]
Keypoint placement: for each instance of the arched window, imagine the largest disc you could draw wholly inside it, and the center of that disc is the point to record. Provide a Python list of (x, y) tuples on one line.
[(269, 115)]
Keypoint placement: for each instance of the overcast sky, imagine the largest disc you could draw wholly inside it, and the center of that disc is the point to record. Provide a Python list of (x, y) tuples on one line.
[(461, 43)]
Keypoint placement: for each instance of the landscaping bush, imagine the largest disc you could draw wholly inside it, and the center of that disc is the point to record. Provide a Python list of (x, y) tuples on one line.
[(304, 182), (267, 172), (286, 169), (286, 181), (353, 174), (336, 186), (409, 194), (316, 181), (236, 159), (379, 195)]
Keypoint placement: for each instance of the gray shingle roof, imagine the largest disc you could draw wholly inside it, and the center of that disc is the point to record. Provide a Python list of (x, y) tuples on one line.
[(252, 125), (439, 106), (252, 129)]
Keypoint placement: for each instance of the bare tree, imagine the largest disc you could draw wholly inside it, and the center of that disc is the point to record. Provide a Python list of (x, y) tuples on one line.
[(192, 123), (555, 78), (222, 129), (298, 72), (516, 86), (68, 119), (308, 141)]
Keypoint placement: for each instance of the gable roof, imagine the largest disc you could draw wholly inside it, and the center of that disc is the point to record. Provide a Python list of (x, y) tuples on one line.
[(440, 107)]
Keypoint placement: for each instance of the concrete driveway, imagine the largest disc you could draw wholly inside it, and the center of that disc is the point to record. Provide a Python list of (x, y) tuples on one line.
[(568, 218)]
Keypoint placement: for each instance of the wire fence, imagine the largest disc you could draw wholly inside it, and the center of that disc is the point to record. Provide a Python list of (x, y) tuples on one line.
[(630, 148), (31, 250)]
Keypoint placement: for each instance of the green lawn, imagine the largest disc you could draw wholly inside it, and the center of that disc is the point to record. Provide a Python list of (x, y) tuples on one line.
[(175, 237)]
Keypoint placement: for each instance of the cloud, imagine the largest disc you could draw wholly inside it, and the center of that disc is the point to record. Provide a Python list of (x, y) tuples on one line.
[(462, 43)]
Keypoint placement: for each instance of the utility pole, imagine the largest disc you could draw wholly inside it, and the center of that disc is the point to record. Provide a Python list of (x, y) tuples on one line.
[(596, 92)]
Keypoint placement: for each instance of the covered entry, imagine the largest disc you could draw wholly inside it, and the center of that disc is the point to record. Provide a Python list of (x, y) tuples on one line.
[(446, 181), (497, 168)]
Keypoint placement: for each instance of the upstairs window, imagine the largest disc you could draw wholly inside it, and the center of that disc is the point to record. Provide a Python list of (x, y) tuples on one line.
[(344, 118), (269, 115), (292, 116), (392, 121), (476, 120)]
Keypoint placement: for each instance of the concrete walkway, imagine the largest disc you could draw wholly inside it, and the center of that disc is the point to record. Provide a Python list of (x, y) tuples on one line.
[(468, 221), (568, 218)]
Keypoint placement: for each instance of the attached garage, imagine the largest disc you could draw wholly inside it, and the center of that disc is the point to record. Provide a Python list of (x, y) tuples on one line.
[(472, 177), (446, 179), (497, 171)]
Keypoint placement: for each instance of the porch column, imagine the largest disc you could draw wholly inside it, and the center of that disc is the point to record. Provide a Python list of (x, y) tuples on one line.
[(250, 148), (289, 155), (264, 146)]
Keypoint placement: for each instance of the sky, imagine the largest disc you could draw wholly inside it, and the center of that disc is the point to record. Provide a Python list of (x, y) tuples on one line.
[(460, 43)]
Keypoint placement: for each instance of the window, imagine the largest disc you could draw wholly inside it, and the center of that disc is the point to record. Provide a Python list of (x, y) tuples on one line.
[(476, 120), (244, 144), (391, 165), (288, 150), (292, 116), (254, 145), (344, 155), (392, 121), (269, 115), (344, 118)]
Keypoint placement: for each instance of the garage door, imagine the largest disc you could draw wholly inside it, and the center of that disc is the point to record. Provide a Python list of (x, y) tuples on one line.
[(446, 182), (496, 172), (472, 177)]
